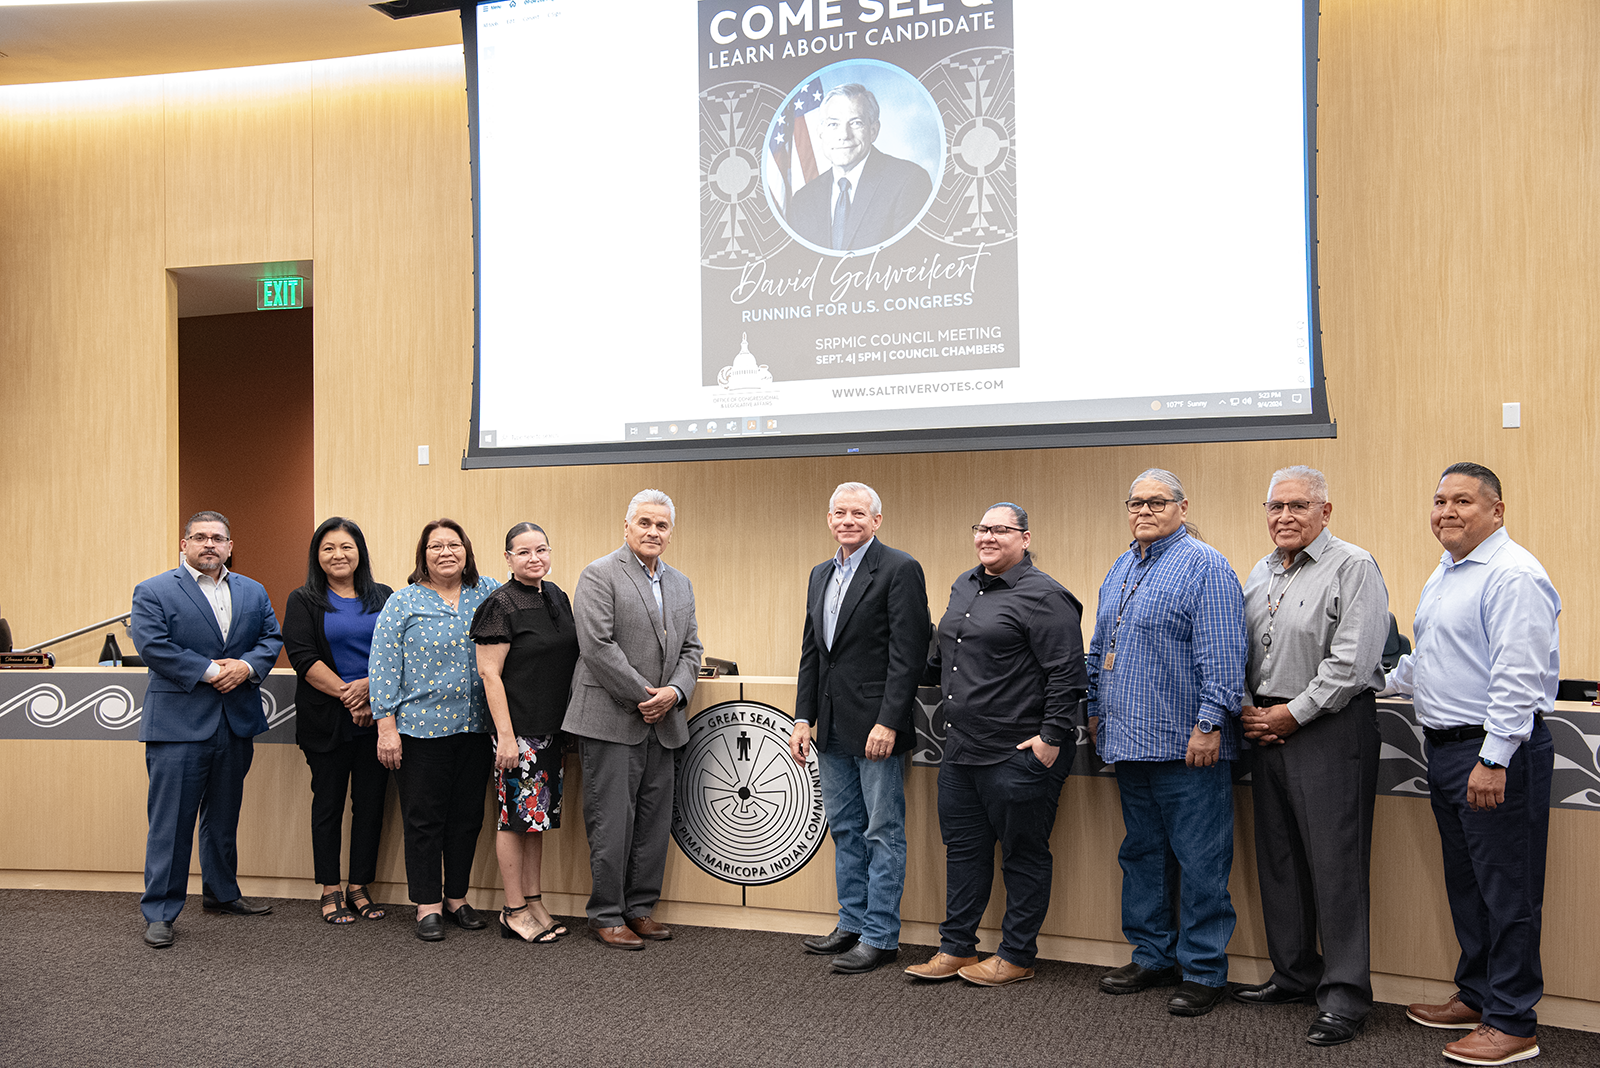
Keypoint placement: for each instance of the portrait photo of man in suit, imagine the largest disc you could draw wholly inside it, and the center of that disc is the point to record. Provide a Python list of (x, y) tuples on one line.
[(862, 651), (639, 657), (867, 196), (208, 636)]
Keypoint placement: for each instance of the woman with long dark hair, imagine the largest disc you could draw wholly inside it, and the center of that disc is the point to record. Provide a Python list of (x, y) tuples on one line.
[(433, 723), (327, 632), (527, 649)]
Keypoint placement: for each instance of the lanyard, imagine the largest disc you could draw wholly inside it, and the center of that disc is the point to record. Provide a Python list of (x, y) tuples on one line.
[(1273, 606), (1124, 598)]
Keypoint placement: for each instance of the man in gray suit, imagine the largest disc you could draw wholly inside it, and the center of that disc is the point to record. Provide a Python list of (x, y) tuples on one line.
[(639, 658)]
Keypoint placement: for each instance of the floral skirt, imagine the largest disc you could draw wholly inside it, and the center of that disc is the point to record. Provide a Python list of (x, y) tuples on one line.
[(530, 793)]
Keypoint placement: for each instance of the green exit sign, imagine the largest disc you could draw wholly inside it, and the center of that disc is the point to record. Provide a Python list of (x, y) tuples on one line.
[(280, 293)]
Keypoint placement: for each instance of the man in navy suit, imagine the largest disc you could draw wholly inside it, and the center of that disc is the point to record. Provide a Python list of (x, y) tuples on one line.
[(208, 637), (862, 652), (867, 196)]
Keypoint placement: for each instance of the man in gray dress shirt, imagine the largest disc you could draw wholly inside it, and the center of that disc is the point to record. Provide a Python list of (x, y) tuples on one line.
[(1318, 613)]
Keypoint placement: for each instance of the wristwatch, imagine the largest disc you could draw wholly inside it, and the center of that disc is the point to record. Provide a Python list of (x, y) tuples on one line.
[(1206, 728), (1486, 762)]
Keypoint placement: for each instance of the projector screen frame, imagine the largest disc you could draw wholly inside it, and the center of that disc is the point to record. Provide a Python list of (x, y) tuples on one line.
[(1318, 423)]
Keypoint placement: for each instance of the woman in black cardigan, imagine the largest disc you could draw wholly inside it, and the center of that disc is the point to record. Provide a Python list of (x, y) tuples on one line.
[(327, 632)]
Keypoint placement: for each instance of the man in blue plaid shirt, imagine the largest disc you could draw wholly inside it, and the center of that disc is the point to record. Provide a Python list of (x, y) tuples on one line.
[(1166, 681)]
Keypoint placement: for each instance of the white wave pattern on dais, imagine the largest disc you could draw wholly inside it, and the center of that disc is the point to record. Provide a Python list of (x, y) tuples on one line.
[(46, 706)]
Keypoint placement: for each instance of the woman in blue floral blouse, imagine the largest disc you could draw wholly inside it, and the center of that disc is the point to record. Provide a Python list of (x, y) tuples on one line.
[(433, 722)]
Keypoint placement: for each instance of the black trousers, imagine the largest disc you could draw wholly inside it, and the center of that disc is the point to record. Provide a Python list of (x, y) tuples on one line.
[(1012, 803), (350, 767), (442, 788), (1494, 863), (1313, 798)]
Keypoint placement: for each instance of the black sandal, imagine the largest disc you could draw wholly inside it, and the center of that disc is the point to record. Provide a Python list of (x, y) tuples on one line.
[(555, 925), (541, 938), (341, 912), (361, 901)]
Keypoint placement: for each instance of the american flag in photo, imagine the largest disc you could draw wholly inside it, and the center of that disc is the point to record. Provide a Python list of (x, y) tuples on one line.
[(791, 158)]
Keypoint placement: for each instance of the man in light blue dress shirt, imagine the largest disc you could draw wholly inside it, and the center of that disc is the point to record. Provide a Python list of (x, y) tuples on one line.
[(1483, 674)]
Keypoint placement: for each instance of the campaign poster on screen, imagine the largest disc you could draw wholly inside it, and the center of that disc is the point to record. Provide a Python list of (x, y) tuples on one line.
[(907, 266)]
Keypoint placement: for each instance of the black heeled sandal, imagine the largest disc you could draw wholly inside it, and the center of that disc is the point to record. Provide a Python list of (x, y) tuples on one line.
[(541, 938), (555, 925), (362, 902), (341, 912)]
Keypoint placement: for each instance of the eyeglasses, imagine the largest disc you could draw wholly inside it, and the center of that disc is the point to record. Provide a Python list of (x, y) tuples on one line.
[(1299, 509), (1157, 505), (521, 555), (1000, 531), (208, 539), (440, 548)]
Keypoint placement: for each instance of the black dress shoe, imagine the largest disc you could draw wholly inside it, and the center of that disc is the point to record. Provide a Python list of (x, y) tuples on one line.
[(1329, 1029), (239, 906), (431, 928), (466, 918), (863, 958), (1195, 999), (158, 934), (830, 944), (1270, 993), (1132, 978)]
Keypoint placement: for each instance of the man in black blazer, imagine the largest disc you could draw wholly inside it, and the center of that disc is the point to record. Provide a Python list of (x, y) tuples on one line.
[(867, 196), (861, 654)]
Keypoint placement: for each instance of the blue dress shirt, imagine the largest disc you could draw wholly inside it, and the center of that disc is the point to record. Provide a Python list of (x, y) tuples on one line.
[(844, 569), (1180, 651), (1488, 647)]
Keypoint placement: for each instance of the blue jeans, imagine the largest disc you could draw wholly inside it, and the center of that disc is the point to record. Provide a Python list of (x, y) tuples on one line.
[(865, 801), (1013, 803), (1179, 821)]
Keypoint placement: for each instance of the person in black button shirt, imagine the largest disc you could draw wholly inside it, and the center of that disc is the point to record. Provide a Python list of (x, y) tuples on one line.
[(1010, 664), (527, 647)]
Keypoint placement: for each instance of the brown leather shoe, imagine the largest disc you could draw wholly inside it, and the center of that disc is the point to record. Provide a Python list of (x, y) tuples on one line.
[(1453, 1013), (1488, 1046), (645, 927), (943, 966), (996, 971), (618, 937)]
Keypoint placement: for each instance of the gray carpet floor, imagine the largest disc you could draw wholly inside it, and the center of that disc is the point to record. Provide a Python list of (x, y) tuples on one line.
[(286, 989)]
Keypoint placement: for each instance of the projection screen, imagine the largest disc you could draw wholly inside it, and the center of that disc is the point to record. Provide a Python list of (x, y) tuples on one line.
[(817, 227)]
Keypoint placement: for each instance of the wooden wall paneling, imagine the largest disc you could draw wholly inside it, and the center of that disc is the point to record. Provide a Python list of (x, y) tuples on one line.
[(84, 379), (393, 331), (1459, 251), (73, 806), (1411, 930), (1086, 895), (239, 164), (924, 896), (1571, 943), (275, 818)]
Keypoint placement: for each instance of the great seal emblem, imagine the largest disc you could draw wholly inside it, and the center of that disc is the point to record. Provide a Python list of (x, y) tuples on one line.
[(745, 812)]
